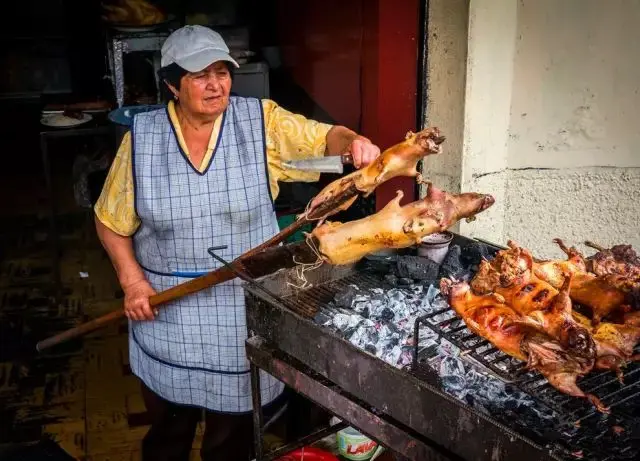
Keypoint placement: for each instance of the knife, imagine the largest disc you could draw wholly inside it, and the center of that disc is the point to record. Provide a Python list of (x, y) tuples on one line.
[(327, 164)]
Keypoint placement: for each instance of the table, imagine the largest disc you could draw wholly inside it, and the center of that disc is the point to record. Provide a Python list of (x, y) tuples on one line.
[(96, 128)]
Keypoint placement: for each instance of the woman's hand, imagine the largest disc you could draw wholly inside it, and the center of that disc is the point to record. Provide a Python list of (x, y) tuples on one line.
[(363, 151), (136, 300)]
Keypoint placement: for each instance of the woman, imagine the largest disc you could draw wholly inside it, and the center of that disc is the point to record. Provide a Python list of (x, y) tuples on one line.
[(202, 173)]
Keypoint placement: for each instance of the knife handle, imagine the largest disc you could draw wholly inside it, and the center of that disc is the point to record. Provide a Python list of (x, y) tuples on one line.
[(347, 159)]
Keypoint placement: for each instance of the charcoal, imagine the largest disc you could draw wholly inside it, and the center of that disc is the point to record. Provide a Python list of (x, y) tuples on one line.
[(473, 253), (417, 268), (321, 318), (387, 314), (360, 306), (391, 279), (452, 266), (345, 298), (370, 348)]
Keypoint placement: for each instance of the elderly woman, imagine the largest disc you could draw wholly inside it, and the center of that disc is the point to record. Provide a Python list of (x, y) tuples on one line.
[(203, 172)]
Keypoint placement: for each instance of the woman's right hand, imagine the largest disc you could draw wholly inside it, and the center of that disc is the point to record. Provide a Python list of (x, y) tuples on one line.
[(136, 301)]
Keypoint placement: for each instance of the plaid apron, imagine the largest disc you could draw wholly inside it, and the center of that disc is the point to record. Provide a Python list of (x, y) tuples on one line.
[(193, 353)]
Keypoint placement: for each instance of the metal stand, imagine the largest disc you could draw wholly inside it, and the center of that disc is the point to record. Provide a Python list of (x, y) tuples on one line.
[(329, 396)]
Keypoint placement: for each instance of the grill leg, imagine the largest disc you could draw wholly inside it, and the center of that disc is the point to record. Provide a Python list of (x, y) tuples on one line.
[(257, 411)]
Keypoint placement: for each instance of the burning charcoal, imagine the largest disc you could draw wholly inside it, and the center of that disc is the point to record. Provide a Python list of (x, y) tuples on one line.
[(322, 318), (396, 294), (406, 358), (453, 374), (386, 314), (452, 266), (345, 298), (417, 268), (371, 348), (392, 356), (361, 306)]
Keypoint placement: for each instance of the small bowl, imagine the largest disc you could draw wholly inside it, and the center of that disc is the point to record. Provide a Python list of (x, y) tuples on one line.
[(435, 246)]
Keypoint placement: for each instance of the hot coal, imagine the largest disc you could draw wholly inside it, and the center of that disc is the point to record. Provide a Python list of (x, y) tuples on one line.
[(381, 321)]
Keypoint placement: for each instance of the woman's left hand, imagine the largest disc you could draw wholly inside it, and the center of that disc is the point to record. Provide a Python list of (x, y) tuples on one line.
[(363, 151)]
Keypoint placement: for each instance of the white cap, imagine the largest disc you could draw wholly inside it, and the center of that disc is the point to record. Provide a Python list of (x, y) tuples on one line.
[(194, 48)]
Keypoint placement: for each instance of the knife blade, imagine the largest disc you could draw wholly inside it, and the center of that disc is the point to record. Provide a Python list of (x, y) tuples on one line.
[(327, 164)]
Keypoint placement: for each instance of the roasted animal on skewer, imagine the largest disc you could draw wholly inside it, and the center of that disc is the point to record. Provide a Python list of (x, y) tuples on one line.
[(603, 295), (399, 160), (491, 318), (614, 343), (541, 305), (395, 226)]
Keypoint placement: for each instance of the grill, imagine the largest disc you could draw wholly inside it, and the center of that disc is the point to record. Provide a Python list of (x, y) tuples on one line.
[(413, 400)]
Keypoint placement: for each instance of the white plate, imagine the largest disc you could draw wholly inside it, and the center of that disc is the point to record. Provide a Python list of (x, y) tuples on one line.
[(62, 121)]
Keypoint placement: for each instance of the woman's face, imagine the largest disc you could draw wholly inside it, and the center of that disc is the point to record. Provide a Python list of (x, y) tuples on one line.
[(206, 93)]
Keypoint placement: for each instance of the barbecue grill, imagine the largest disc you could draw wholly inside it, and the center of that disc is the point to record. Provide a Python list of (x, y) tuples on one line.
[(415, 410)]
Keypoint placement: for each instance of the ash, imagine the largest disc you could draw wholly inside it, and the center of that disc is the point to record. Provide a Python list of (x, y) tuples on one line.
[(381, 321)]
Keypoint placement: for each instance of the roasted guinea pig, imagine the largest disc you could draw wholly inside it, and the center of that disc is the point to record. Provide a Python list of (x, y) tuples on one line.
[(490, 317), (603, 295), (615, 343), (398, 160), (619, 260), (395, 226), (540, 305)]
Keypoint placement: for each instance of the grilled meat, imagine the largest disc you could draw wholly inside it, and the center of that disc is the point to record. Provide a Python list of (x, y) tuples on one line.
[(619, 260), (541, 305), (603, 295), (398, 160), (615, 343), (395, 226), (490, 317)]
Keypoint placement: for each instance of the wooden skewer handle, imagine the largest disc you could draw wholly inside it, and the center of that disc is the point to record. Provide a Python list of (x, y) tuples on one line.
[(215, 277)]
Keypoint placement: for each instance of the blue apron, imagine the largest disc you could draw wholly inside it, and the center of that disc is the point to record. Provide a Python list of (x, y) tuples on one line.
[(193, 353)]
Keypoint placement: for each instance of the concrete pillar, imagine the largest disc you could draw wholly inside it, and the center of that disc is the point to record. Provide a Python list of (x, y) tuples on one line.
[(471, 48)]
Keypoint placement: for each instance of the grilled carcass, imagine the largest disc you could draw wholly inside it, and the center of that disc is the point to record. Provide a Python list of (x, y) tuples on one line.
[(540, 305), (399, 160), (614, 343), (619, 260), (603, 295), (490, 317), (395, 226)]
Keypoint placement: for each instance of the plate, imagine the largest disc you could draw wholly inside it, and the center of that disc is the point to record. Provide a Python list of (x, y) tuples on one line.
[(62, 121)]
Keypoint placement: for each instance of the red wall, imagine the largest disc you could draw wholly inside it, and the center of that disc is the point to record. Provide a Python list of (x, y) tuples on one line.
[(358, 60)]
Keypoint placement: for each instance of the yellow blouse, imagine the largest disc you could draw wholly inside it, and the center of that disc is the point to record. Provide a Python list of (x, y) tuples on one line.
[(288, 137)]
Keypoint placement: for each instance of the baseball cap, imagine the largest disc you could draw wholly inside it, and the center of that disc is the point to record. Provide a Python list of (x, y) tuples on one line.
[(193, 48)]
